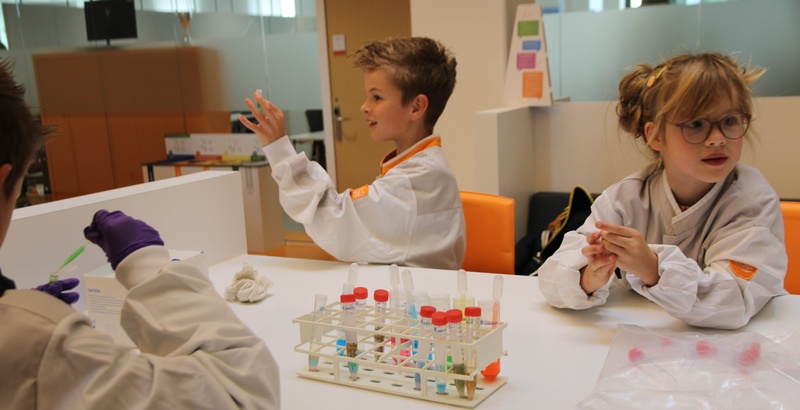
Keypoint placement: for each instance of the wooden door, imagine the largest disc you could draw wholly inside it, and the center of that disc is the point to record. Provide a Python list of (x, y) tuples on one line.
[(357, 155)]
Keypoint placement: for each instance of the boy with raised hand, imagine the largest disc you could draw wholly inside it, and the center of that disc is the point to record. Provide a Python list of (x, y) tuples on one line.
[(194, 352), (411, 214)]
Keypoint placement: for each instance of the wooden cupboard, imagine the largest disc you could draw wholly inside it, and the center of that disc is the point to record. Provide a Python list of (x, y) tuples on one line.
[(113, 106)]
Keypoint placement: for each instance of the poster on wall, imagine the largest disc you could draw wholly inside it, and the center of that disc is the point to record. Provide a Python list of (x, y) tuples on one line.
[(527, 75)]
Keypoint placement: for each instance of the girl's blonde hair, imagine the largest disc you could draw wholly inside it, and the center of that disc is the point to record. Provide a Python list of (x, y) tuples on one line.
[(680, 89)]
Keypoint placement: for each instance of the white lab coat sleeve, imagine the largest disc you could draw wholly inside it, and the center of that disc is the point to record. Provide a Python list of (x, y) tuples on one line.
[(559, 275), (349, 230), (195, 352), (714, 295)]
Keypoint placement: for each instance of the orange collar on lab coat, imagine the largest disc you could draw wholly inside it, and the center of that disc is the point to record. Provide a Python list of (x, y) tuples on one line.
[(389, 161)]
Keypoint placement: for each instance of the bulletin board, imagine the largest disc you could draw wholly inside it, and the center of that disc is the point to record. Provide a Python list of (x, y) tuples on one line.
[(527, 75)]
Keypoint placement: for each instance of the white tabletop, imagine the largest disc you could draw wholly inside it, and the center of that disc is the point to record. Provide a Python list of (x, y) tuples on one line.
[(554, 356)]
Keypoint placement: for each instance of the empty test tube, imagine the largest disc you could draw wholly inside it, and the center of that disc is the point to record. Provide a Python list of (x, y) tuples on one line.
[(316, 334), (361, 293)]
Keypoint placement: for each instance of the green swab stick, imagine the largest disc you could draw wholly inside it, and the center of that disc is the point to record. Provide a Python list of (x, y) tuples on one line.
[(70, 258)]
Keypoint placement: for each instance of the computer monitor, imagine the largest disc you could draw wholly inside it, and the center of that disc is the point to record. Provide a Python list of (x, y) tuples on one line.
[(110, 19)]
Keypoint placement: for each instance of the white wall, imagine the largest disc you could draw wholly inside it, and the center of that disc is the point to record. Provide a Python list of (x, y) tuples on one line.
[(478, 32), (198, 212), (535, 149)]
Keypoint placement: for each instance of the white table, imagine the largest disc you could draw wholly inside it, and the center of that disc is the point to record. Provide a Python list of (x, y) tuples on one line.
[(554, 356), (315, 140)]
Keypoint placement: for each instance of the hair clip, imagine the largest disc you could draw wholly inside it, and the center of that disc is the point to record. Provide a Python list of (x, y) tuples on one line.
[(652, 80)]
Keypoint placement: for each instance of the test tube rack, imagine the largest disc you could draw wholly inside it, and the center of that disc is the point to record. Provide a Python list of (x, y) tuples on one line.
[(392, 371)]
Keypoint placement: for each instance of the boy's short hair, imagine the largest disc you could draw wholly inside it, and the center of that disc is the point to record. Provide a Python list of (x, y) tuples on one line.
[(416, 65), (21, 133)]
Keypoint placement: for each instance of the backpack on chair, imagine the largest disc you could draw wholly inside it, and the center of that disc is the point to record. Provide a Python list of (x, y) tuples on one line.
[(532, 250)]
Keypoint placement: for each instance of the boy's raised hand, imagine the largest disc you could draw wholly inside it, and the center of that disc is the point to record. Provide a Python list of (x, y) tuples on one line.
[(631, 250), (601, 264), (269, 126)]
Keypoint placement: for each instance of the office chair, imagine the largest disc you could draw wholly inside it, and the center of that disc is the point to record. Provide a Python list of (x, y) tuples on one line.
[(490, 232), (791, 224), (314, 118)]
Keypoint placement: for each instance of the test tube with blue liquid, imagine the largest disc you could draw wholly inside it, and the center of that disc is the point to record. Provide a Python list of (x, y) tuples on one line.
[(439, 321), (426, 331), (411, 310), (351, 338), (408, 282), (320, 301), (347, 288)]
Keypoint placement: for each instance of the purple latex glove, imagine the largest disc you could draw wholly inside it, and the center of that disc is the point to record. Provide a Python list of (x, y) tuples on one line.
[(57, 289), (119, 235)]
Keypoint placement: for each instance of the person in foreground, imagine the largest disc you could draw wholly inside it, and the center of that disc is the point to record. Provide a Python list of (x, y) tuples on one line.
[(698, 233), (194, 351), (411, 214)]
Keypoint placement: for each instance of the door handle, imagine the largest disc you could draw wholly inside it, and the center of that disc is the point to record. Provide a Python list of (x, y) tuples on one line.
[(337, 118)]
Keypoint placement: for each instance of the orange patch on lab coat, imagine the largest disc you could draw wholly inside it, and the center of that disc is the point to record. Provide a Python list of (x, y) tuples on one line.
[(743, 270), (359, 192)]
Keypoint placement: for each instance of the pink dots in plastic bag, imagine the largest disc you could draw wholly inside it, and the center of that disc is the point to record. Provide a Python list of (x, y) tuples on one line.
[(704, 349), (749, 356)]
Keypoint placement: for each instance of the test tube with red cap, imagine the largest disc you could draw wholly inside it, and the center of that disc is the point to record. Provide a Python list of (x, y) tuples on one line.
[(381, 296), (350, 336), (426, 329), (471, 334), (456, 334), (361, 293), (439, 320)]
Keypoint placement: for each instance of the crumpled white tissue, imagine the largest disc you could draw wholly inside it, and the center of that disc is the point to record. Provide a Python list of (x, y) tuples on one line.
[(248, 285)]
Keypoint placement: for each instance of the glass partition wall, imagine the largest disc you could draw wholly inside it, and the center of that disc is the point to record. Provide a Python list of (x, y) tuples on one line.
[(186, 68), (233, 47), (591, 42)]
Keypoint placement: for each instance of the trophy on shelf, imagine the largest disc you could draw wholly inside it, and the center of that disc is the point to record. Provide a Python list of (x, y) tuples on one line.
[(185, 18)]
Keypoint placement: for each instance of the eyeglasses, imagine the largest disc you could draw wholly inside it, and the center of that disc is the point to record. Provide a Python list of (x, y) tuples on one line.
[(732, 126)]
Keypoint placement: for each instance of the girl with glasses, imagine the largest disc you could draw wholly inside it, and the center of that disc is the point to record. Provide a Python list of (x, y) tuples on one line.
[(696, 232)]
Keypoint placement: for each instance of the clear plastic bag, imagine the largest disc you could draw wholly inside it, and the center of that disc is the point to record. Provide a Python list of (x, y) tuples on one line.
[(647, 369)]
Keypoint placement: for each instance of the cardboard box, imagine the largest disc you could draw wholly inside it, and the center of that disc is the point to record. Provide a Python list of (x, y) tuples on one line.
[(105, 295)]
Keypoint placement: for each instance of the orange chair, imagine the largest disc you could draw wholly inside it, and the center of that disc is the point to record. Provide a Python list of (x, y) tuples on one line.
[(791, 224), (490, 232)]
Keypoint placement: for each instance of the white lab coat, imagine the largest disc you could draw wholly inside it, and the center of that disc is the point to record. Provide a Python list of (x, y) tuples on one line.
[(195, 352), (703, 252), (410, 215)]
